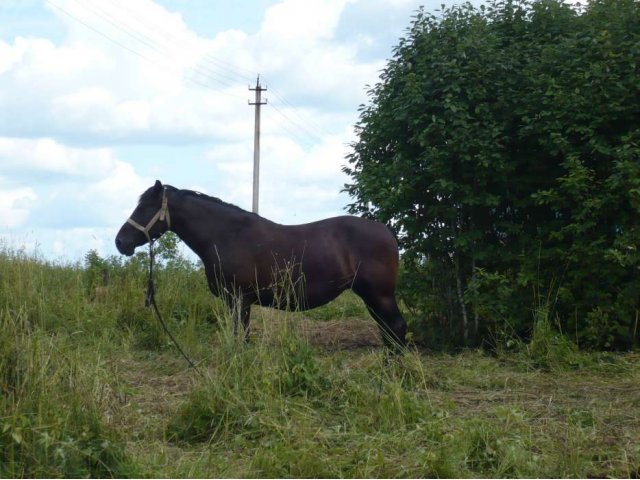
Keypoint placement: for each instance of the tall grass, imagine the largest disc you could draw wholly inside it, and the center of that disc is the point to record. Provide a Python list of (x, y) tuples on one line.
[(53, 394), (90, 386)]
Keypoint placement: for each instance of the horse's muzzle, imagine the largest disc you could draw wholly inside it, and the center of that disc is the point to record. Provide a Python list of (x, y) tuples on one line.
[(125, 248)]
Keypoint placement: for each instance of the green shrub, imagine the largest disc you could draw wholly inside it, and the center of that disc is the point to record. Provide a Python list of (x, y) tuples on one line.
[(502, 142)]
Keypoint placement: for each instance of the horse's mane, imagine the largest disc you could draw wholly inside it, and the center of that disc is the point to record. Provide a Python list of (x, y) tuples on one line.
[(209, 198), (192, 193)]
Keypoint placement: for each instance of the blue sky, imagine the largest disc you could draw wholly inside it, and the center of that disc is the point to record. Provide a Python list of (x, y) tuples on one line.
[(101, 97)]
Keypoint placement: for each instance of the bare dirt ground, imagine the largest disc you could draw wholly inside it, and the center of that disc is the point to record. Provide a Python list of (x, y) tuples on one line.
[(341, 334), (335, 334)]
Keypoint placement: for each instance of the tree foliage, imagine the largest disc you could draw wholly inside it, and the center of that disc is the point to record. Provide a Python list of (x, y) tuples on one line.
[(502, 144)]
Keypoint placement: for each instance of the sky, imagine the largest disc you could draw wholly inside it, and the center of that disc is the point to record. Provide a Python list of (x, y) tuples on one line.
[(99, 98)]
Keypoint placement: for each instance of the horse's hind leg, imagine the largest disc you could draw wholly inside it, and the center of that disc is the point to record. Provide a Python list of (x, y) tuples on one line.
[(384, 309), (392, 325)]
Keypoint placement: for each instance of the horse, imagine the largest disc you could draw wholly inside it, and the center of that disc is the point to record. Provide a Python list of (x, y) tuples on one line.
[(251, 260)]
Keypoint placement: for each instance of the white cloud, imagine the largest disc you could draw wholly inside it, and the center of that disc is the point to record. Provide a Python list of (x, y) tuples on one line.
[(74, 243), (296, 185), (299, 24), (9, 56), (100, 90), (68, 245), (97, 92), (78, 186), (15, 205), (45, 156)]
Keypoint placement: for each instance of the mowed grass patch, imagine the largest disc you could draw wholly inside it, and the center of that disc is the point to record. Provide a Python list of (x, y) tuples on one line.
[(375, 420)]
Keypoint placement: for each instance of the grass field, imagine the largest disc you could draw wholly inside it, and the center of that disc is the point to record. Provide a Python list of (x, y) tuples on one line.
[(91, 387)]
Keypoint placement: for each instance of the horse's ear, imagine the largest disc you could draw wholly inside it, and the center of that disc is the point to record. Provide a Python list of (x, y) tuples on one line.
[(157, 187)]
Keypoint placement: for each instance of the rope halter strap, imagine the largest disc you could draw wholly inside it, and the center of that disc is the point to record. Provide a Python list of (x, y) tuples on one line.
[(162, 215)]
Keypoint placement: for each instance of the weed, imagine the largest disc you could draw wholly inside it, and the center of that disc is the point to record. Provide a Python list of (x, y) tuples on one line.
[(299, 372)]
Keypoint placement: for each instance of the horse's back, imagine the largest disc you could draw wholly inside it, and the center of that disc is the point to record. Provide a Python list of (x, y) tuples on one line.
[(360, 246), (366, 238), (360, 237)]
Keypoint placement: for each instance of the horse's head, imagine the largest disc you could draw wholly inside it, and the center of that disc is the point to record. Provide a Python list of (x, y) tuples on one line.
[(148, 221)]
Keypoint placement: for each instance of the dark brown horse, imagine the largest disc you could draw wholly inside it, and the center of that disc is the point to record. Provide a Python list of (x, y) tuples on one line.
[(251, 260)]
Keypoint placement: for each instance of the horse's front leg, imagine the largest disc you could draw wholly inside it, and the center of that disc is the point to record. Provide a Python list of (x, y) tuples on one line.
[(240, 308), (243, 318)]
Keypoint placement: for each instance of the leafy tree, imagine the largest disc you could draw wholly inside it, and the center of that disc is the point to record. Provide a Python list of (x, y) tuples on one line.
[(169, 254), (502, 146)]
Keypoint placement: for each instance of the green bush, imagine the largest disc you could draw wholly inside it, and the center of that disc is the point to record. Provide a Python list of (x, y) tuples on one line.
[(502, 146)]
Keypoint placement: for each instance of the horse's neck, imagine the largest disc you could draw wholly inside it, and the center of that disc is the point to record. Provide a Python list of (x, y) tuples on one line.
[(201, 224)]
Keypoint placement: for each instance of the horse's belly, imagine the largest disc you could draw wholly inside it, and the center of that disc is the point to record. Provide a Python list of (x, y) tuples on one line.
[(301, 298), (317, 295)]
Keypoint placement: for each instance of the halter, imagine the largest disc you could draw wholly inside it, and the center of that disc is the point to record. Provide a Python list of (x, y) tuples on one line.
[(150, 298), (162, 215)]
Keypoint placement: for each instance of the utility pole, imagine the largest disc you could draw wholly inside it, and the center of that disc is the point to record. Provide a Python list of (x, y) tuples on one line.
[(256, 143)]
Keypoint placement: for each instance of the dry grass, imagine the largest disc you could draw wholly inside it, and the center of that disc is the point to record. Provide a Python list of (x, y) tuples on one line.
[(338, 334)]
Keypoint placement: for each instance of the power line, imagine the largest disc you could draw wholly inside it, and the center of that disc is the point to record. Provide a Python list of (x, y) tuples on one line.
[(304, 119), (135, 52), (230, 72), (305, 132), (299, 125), (96, 30), (150, 42), (286, 126)]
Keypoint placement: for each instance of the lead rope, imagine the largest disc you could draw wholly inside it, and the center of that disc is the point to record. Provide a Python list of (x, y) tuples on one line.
[(150, 300)]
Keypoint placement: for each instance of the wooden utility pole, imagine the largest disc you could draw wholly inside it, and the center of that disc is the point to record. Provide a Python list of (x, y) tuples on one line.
[(256, 143)]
